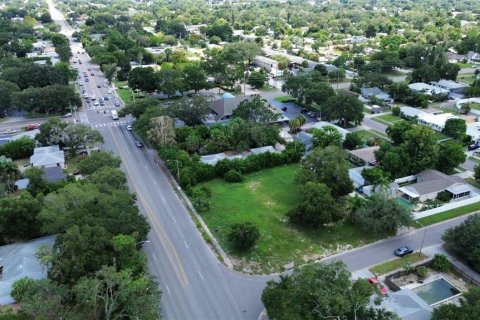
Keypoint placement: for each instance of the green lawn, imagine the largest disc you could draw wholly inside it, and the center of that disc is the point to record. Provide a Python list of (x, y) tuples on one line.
[(472, 182), (72, 163), (285, 99), (464, 65), (468, 77), (398, 263), (446, 215), (387, 119), (368, 134), (263, 198)]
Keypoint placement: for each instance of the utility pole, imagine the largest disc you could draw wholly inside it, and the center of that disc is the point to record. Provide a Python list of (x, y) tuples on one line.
[(423, 240)]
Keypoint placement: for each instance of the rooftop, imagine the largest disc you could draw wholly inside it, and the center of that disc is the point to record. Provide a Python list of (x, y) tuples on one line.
[(366, 154), (430, 181)]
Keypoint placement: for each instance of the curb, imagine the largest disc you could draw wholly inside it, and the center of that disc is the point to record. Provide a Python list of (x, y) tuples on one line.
[(188, 205)]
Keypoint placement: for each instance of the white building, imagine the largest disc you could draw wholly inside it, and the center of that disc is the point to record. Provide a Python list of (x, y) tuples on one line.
[(451, 86), (435, 121), (46, 157), (268, 64), (425, 88)]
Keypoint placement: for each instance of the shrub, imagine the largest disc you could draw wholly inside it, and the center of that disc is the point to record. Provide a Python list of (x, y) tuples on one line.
[(440, 263), (233, 176), (422, 272), (444, 196), (243, 235), (396, 111)]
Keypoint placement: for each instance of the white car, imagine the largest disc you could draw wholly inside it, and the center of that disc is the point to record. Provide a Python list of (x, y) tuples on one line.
[(67, 115), (129, 128), (96, 103), (10, 131), (109, 91)]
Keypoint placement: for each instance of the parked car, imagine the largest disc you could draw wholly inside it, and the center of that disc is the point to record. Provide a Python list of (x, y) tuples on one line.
[(76, 172), (32, 126), (138, 143), (86, 80), (129, 128), (377, 284), (473, 147), (67, 115), (402, 251), (92, 74)]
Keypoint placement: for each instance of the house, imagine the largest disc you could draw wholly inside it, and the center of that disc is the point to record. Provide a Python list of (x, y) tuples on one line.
[(435, 121), (304, 138), (421, 87), (268, 64), (19, 260), (321, 124), (473, 130), (223, 108), (410, 112), (356, 39), (45, 157), (451, 86), (376, 92), (365, 155), (453, 57), (429, 183), (53, 174), (473, 57), (407, 305)]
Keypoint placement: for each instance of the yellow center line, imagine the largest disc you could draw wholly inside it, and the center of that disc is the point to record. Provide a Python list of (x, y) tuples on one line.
[(165, 241)]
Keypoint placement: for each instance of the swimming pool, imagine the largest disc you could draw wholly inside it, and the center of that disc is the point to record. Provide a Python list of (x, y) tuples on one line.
[(436, 291)]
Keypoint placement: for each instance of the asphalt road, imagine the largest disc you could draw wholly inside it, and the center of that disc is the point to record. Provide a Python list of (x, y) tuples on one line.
[(195, 284)]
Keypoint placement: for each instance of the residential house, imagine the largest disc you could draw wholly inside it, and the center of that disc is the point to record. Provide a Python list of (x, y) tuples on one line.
[(451, 86), (46, 157), (410, 112), (268, 64), (376, 92), (473, 57), (321, 124), (356, 40), (473, 130), (365, 156), (19, 260), (223, 108), (53, 174), (435, 121), (421, 87), (429, 183), (304, 138), (453, 57)]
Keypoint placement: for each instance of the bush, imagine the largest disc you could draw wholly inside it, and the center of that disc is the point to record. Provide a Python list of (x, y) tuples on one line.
[(396, 111), (444, 196), (422, 272), (244, 235), (17, 149), (201, 198), (440, 263), (233, 176)]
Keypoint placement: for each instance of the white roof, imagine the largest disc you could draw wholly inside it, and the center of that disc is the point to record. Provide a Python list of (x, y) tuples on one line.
[(263, 150), (427, 88), (410, 112), (438, 120), (46, 150), (321, 124), (449, 84), (38, 160), (473, 130)]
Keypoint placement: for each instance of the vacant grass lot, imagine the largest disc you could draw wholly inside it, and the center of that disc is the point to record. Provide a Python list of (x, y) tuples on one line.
[(387, 119), (285, 99), (263, 198), (398, 263), (368, 134)]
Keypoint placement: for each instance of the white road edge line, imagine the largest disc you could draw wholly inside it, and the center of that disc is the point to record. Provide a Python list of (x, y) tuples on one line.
[(154, 256), (168, 289), (200, 274), (186, 245)]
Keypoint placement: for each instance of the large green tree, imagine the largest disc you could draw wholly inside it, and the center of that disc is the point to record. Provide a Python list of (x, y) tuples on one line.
[(455, 128), (343, 108), (321, 291), (144, 79), (191, 110), (422, 147), (8, 172), (170, 81), (98, 160), (255, 110), (327, 136), (450, 155)]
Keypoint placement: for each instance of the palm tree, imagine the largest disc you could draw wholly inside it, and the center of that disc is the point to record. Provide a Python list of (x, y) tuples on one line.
[(9, 172)]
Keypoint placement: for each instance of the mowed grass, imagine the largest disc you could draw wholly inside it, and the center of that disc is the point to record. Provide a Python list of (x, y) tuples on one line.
[(387, 119), (263, 198), (285, 99), (368, 134), (398, 263), (446, 215)]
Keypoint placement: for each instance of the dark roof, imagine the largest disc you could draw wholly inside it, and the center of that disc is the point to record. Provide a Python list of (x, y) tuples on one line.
[(53, 174)]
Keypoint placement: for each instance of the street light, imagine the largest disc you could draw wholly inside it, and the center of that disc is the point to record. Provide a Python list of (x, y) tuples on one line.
[(178, 168)]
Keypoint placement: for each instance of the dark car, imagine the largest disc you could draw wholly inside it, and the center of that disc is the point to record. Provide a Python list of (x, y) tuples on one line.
[(99, 86), (106, 98), (473, 147), (402, 251), (138, 143)]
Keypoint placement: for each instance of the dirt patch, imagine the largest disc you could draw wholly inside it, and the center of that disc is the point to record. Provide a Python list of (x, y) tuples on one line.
[(253, 185)]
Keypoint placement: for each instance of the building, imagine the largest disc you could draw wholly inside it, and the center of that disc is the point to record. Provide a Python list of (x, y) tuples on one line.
[(19, 260), (473, 57), (223, 108), (435, 121), (321, 124), (376, 92), (304, 138), (451, 86), (421, 87), (407, 305), (46, 157), (429, 183), (268, 64), (410, 112), (365, 155), (473, 130), (356, 39)]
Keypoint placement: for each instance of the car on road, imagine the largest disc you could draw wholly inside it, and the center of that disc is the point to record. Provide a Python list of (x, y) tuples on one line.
[(129, 128), (92, 74), (32, 126), (473, 147), (10, 131), (96, 103), (402, 251), (109, 91), (138, 143), (117, 104), (80, 84), (88, 69), (67, 115), (383, 291), (106, 98), (86, 80), (99, 86)]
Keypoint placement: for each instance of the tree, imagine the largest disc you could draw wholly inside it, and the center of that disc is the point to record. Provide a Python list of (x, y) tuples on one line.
[(109, 70), (162, 131), (7, 89), (353, 141), (76, 136), (320, 291), (394, 160), (464, 241), (455, 128), (318, 93), (18, 218), (51, 132), (237, 53), (450, 155), (243, 235), (255, 110), (257, 79), (18, 148), (422, 147), (108, 179), (9, 172), (144, 79), (117, 294), (382, 213), (477, 173), (191, 110), (37, 183), (170, 81), (344, 108), (317, 207), (98, 160), (397, 130), (376, 176), (426, 73), (195, 78), (328, 166), (221, 29), (327, 136)]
